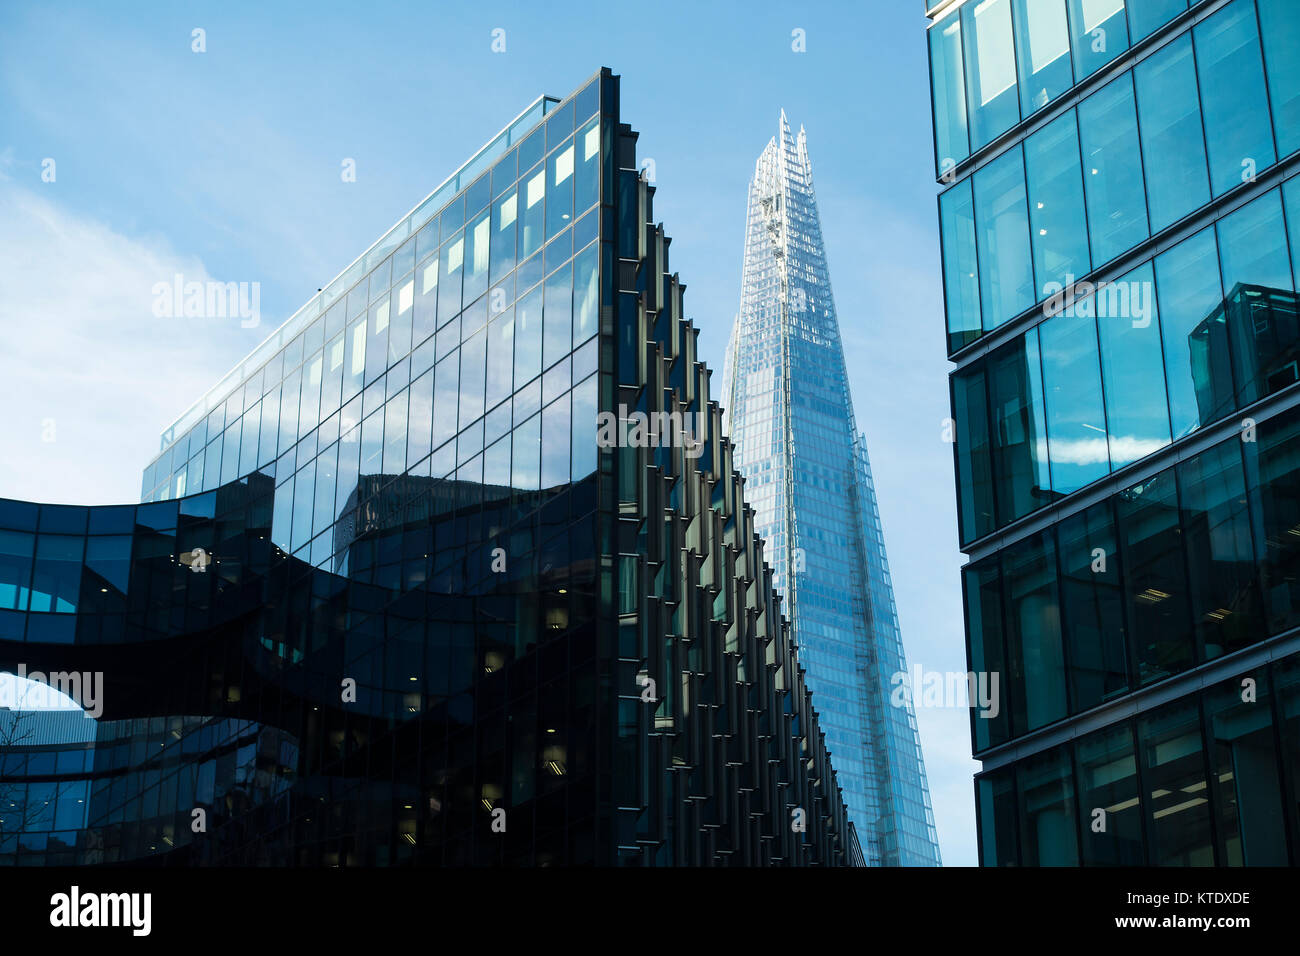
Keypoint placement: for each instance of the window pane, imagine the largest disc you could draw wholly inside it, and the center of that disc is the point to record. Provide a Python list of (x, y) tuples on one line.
[(450, 273), (586, 178), (586, 300), (1043, 49), (990, 69), (1196, 357), (528, 337), (1112, 170), (1173, 773), (16, 551), (1006, 274), (1107, 769), (974, 463), (1034, 647), (1259, 306), (500, 358), (1047, 814), (1220, 551), (533, 196), (998, 818), (1273, 473), (446, 384), (559, 201), (526, 473), (1132, 367), (473, 355), (1092, 606), (584, 428), (1173, 145), (1019, 438), (1243, 762), (1057, 223), (556, 429), (477, 240), (1076, 421), (1151, 549), (1279, 22), (960, 283), (558, 315), (946, 80), (1100, 33), (1145, 15), (987, 653), (1232, 95)]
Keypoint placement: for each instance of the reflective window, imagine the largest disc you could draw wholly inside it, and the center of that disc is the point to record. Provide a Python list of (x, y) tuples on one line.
[(1144, 16), (1076, 419), (1225, 598), (973, 453), (1092, 606), (1174, 777), (1002, 219), (1258, 308), (1233, 99), (1033, 627), (1107, 770), (1196, 358), (1249, 821), (1047, 814), (1112, 170), (1058, 227), (990, 69), (56, 574), (1100, 32), (983, 584), (960, 282), (1273, 473), (1151, 552), (999, 819), (1132, 367), (946, 83), (1173, 145), (1043, 50), (1019, 429), (1279, 22)]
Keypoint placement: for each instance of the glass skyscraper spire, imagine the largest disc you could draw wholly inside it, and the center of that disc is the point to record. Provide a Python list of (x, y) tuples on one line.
[(808, 478)]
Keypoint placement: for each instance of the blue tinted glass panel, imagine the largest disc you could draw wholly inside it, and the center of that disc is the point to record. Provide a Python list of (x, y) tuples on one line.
[(1112, 170), (1057, 223), (1173, 146), (1196, 355), (1233, 99), (1100, 32), (1132, 367), (1043, 52), (1002, 222), (1076, 420), (990, 69), (961, 286), (952, 144), (1279, 22), (1144, 16)]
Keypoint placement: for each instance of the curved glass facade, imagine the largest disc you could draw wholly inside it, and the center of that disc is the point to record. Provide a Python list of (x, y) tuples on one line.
[(402, 597)]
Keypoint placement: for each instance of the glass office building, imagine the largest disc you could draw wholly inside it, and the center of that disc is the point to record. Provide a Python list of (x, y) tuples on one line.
[(808, 477), (1120, 231), (395, 595)]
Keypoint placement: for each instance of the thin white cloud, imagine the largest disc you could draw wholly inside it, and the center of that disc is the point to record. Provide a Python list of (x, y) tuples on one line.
[(89, 376)]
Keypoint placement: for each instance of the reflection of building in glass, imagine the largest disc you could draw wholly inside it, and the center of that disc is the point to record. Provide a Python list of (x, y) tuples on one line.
[(387, 601), (1138, 595), (1253, 335), (809, 480)]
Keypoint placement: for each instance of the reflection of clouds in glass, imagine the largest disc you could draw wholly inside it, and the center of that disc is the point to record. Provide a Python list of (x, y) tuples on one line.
[(1091, 451)]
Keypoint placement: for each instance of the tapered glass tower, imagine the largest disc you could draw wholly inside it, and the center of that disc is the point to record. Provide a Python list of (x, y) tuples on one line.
[(809, 480)]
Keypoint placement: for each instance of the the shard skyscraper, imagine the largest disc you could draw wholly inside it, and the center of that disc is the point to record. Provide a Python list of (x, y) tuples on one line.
[(807, 476)]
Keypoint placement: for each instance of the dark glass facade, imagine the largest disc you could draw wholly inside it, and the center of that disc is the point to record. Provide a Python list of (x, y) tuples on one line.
[(391, 599), (1120, 270)]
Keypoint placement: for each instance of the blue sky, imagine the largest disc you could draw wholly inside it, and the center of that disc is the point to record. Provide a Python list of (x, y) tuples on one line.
[(226, 165)]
